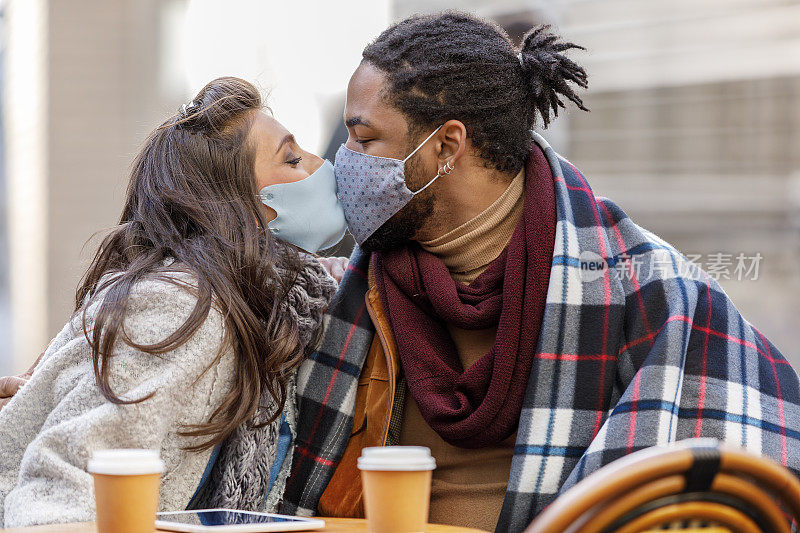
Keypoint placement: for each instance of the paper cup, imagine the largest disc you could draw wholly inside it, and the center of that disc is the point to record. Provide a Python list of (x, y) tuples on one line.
[(126, 484), (397, 488)]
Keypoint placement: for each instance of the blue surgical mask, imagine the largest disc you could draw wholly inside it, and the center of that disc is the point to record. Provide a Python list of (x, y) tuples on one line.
[(373, 189), (309, 213)]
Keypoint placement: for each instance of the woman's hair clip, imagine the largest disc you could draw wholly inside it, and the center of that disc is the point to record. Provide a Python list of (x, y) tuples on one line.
[(188, 109)]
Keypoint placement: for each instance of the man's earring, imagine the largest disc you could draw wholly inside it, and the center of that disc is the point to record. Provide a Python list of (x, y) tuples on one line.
[(448, 168)]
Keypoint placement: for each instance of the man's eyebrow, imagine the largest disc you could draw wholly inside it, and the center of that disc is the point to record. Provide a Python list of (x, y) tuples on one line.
[(287, 139), (357, 121)]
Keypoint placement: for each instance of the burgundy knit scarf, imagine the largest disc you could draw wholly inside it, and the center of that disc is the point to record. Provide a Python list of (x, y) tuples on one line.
[(479, 406)]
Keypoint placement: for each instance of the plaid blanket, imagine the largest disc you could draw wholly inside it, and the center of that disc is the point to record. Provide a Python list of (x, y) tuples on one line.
[(639, 347)]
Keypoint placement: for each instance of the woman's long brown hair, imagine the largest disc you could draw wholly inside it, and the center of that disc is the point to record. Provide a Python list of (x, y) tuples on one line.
[(192, 198)]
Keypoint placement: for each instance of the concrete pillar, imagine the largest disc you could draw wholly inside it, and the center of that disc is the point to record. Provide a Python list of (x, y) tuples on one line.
[(25, 123), (82, 88)]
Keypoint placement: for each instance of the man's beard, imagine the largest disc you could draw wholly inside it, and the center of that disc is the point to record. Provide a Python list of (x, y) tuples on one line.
[(404, 225)]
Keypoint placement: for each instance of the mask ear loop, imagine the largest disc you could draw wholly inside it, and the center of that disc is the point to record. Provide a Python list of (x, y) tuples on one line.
[(444, 171), (439, 174), (422, 144)]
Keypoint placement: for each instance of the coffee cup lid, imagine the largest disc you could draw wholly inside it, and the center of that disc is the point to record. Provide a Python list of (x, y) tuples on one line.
[(125, 462), (396, 458)]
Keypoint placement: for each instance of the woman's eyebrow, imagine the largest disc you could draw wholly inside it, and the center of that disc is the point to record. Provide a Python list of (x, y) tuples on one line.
[(287, 139)]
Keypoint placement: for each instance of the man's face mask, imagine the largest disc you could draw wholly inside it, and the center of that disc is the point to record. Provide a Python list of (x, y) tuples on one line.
[(373, 189)]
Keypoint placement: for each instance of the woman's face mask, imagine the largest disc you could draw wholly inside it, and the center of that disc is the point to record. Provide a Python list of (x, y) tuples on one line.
[(309, 213), (372, 189)]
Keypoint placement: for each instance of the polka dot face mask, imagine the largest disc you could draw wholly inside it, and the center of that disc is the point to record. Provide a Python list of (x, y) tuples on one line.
[(372, 189)]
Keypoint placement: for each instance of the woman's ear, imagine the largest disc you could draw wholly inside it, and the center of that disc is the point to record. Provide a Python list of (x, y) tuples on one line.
[(453, 139)]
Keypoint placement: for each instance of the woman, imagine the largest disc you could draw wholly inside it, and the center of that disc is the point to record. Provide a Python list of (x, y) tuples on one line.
[(188, 324)]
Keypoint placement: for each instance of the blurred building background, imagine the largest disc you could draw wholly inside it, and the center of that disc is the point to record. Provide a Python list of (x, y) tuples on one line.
[(694, 129)]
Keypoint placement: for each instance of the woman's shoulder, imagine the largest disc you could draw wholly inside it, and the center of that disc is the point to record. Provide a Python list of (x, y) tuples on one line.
[(176, 288), (157, 304)]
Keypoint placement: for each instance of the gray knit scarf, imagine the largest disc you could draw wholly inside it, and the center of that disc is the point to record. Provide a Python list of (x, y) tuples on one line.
[(239, 478)]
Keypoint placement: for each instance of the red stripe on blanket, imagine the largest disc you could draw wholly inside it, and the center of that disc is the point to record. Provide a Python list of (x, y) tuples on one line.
[(784, 451), (301, 447), (357, 270), (701, 400), (643, 312), (576, 357), (695, 327), (607, 298), (304, 451)]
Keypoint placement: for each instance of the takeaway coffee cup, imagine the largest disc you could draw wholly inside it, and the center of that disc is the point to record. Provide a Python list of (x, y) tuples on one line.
[(126, 486), (397, 487)]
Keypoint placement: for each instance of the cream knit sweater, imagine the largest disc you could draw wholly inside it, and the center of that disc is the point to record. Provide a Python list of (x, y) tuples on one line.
[(51, 427)]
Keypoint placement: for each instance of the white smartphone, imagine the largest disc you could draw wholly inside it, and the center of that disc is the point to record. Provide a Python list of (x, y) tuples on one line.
[(223, 520)]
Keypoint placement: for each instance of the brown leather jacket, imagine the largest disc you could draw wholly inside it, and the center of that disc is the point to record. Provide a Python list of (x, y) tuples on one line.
[(379, 405)]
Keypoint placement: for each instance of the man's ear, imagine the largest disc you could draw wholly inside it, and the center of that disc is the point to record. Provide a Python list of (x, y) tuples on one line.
[(453, 141)]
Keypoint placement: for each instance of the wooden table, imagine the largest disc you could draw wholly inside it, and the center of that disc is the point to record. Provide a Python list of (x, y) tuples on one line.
[(333, 525)]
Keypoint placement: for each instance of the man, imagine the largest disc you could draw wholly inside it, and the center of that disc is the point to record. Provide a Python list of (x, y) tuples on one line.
[(498, 312)]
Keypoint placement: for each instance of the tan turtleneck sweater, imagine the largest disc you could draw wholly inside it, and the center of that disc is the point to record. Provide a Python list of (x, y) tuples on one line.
[(469, 485), (468, 249)]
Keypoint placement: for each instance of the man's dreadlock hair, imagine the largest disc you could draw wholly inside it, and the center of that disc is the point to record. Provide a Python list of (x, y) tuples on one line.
[(454, 65)]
